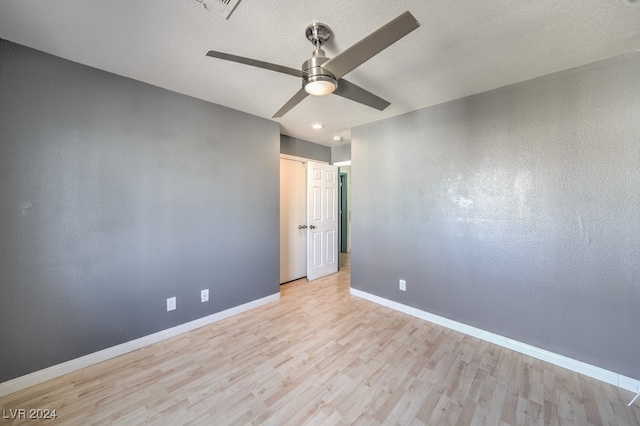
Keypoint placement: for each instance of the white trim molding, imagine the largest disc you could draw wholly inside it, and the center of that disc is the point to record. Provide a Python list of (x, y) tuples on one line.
[(598, 373), (300, 159), (67, 367)]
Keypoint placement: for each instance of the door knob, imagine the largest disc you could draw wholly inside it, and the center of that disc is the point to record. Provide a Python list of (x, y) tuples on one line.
[(312, 227), (302, 226)]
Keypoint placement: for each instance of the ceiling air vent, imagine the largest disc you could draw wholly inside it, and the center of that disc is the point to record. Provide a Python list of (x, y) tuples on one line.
[(221, 8)]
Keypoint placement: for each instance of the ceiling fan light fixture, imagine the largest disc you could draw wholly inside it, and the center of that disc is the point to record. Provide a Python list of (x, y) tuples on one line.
[(320, 74), (317, 81), (320, 85)]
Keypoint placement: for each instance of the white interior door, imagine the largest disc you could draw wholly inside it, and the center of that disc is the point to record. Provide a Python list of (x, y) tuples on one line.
[(322, 219), (293, 220)]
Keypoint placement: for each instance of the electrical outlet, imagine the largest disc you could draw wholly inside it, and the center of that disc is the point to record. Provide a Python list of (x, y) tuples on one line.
[(171, 304), (204, 295), (403, 285)]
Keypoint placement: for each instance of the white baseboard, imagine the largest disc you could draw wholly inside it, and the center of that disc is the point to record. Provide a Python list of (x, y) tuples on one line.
[(67, 367), (598, 373)]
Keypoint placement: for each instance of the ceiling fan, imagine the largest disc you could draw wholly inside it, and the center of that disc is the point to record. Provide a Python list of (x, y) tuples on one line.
[(322, 76)]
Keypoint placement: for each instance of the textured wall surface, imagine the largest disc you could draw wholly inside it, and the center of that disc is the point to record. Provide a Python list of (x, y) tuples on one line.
[(516, 211), (115, 195), (341, 153), (305, 149)]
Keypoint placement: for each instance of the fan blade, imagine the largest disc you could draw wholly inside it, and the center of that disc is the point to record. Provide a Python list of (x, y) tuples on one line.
[(254, 62), (295, 100), (356, 93), (371, 45)]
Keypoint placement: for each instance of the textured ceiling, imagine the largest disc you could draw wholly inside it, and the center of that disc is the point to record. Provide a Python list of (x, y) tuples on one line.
[(461, 48)]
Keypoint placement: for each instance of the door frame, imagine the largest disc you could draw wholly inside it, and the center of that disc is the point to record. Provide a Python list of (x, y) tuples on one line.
[(303, 160), (292, 214), (344, 211), (340, 164)]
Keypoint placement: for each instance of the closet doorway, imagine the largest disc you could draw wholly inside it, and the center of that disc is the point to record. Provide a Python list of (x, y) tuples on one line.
[(309, 219), (293, 220)]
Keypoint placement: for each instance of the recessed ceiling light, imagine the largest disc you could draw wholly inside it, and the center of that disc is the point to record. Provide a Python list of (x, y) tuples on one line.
[(337, 138), (317, 126)]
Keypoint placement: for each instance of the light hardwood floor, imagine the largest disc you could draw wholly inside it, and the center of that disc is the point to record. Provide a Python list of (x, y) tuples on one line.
[(322, 356)]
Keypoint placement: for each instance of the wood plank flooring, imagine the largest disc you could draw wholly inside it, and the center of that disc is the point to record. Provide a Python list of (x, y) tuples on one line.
[(322, 356)]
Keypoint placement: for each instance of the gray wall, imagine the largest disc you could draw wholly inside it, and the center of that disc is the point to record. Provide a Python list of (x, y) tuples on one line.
[(305, 149), (341, 153), (116, 195), (516, 211)]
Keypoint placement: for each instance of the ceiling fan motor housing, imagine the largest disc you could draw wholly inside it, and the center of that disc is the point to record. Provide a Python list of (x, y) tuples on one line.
[(314, 73)]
